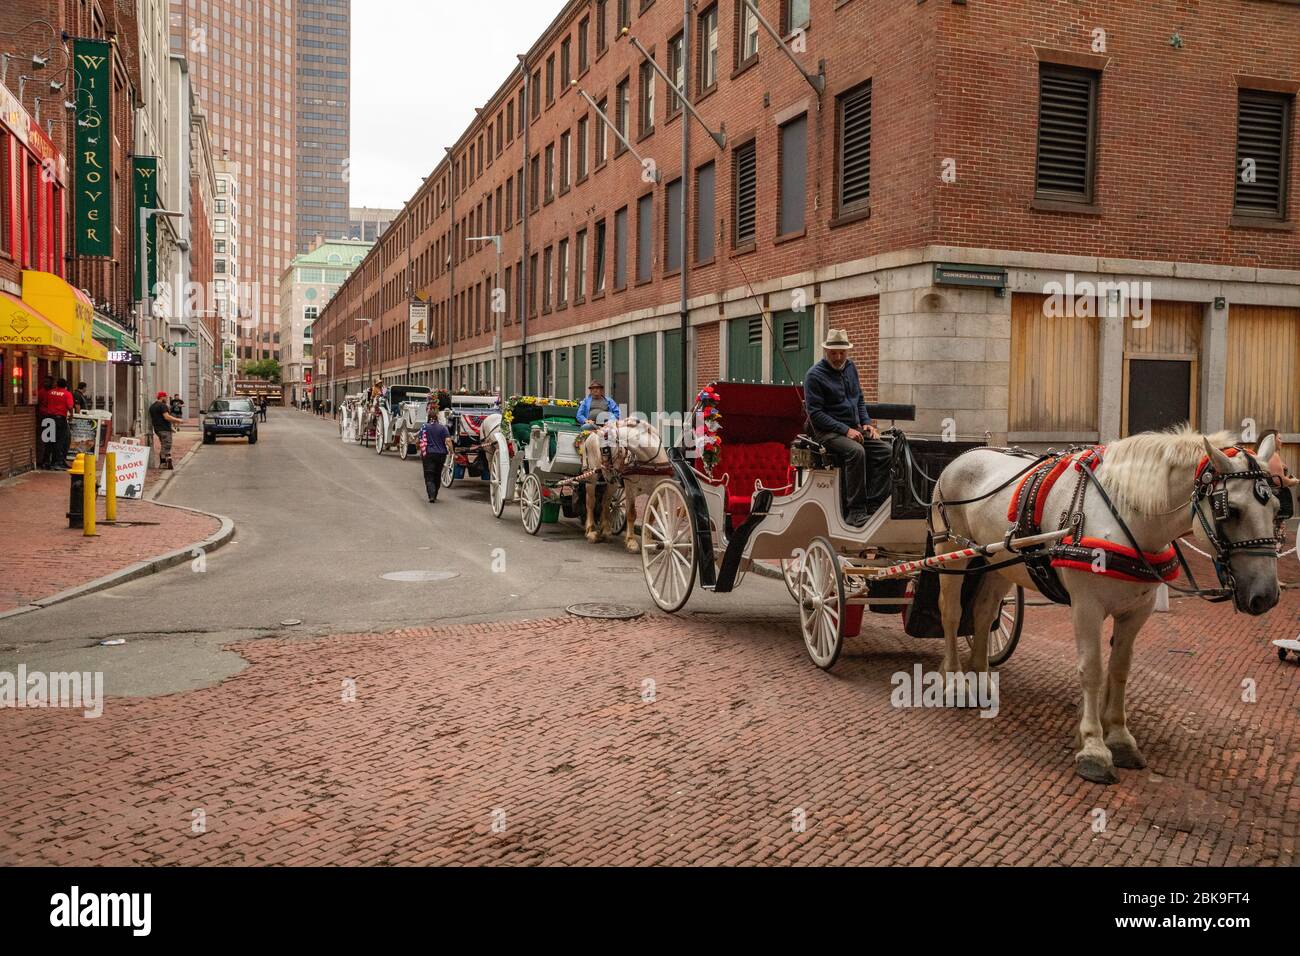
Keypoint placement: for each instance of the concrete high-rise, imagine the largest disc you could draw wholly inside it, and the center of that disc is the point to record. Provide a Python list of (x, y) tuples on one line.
[(243, 60), (323, 97)]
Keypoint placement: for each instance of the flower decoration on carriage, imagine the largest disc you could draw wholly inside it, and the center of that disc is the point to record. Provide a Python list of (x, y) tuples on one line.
[(581, 436), (508, 413), (708, 430), (442, 398)]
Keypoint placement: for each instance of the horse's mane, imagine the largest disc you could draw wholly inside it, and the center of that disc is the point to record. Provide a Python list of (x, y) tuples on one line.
[(1137, 471)]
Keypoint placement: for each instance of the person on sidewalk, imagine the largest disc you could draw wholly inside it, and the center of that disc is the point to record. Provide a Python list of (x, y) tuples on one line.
[(59, 401), (178, 407), (838, 412), (46, 430), (435, 445), (79, 401), (162, 418)]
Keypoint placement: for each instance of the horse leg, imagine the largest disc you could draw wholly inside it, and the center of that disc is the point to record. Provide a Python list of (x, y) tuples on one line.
[(1123, 747), (630, 491), (950, 613), (988, 604), (1093, 761), (590, 487)]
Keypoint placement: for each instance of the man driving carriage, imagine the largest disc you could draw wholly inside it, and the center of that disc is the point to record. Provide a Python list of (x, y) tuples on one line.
[(840, 421), (596, 408)]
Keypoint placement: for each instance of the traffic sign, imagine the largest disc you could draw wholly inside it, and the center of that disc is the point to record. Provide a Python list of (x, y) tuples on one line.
[(186, 345)]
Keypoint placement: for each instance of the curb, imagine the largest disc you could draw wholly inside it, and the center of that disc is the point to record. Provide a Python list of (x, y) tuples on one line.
[(161, 486), (140, 569)]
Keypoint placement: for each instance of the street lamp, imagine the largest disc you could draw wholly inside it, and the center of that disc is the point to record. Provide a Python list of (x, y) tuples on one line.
[(146, 316), (496, 358), (329, 375)]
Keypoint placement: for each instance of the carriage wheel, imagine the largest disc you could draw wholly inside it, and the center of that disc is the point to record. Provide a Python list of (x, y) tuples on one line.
[(501, 471), (668, 547), (379, 440), (821, 603), (616, 501), (403, 445), (530, 503), (449, 471), (1005, 634), (790, 573)]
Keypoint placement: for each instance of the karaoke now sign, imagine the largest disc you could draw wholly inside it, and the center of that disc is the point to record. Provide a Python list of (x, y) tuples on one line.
[(92, 61)]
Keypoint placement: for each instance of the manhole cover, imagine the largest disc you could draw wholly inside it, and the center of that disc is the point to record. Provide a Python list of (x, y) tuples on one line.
[(420, 576), (615, 612)]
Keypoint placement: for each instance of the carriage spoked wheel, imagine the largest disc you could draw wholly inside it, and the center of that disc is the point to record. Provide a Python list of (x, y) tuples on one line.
[(617, 504), (820, 588), (790, 574), (1005, 634), (668, 547), (403, 446), (449, 471), (499, 475), (530, 503)]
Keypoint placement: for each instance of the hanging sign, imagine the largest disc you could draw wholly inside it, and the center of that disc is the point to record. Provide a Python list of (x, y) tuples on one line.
[(419, 322), (349, 354), (94, 199), (146, 197)]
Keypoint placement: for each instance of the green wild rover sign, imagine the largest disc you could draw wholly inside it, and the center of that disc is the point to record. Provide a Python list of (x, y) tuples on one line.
[(94, 163)]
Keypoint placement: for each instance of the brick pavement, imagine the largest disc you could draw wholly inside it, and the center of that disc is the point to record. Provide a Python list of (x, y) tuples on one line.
[(45, 556), (545, 721)]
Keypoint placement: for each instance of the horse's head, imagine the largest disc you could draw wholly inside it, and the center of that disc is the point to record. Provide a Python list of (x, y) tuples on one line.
[(1236, 511)]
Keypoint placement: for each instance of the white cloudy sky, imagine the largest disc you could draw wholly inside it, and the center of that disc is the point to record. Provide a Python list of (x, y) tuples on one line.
[(419, 68)]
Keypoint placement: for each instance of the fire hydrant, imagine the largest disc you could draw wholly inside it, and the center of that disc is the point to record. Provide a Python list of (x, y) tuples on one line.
[(77, 493)]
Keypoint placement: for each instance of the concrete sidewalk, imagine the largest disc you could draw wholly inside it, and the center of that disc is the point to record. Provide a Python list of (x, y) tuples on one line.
[(48, 562)]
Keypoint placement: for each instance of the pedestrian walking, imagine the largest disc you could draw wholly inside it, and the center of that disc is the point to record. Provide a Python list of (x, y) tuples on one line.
[(162, 418), (178, 406), (54, 405), (79, 401), (435, 446), (261, 407)]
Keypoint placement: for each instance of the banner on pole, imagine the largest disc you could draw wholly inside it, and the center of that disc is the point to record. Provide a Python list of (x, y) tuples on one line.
[(349, 354), (419, 322), (146, 197), (94, 134)]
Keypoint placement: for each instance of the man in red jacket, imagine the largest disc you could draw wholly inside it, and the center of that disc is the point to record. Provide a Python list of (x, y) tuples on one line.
[(54, 405)]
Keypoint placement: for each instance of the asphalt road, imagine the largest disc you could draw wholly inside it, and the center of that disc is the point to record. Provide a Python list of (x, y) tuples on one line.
[(318, 525)]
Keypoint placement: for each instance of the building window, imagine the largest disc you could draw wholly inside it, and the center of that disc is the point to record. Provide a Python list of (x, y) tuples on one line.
[(562, 274), (532, 285), (647, 118), (550, 79), (795, 15), (620, 249), (744, 191), (794, 176), (624, 13), (1067, 131), (746, 34), (1263, 131), (602, 21), (583, 125), (580, 267), (566, 63), (566, 156), (705, 185), (853, 135), (677, 70), (645, 231), (707, 55), (548, 278), (550, 172), (537, 93), (623, 105), (534, 182), (673, 226), (584, 41), (598, 259)]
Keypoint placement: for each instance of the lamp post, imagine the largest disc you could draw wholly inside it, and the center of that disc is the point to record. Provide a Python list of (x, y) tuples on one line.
[(329, 375), (146, 317), (496, 290)]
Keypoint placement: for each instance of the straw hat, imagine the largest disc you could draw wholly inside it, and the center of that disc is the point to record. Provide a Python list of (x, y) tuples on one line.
[(837, 339)]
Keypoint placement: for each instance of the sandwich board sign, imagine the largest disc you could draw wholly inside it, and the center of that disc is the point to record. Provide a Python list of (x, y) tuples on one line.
[(132, 464)]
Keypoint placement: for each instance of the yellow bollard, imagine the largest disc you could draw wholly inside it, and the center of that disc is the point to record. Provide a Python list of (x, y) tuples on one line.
[(110, 486), (88, 498)]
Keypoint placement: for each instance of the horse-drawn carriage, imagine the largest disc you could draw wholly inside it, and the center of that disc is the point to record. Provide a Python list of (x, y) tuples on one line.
[(550, 464), (397, 417), (351, 411), (772, 493), (471, 419)]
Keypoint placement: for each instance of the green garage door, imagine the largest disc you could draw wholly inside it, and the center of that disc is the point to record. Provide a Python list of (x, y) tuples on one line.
[(792, 349), (620, 372), (673, 371), (745, 349), (530, 383), (579, 372), (562, 374), (598, 371), (647, 374)]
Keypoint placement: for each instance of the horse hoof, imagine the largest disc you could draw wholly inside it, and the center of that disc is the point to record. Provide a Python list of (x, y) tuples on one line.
[(1127, 758), (633, 545), (591, 537), (1093, 768)]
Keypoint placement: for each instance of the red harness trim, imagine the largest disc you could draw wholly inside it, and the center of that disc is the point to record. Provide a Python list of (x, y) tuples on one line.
[(1058, 467), (1167, 558), (1231, 452)]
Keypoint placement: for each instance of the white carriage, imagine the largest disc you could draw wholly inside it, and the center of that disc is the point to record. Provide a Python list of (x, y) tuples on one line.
[(393, 421), (774, 494), (472, 421), (351, 412)]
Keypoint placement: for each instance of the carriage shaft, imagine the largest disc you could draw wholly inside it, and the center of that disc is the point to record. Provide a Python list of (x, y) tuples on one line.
[(964, 554)]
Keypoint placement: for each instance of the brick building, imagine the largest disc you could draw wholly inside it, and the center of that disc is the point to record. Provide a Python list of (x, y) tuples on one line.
[(954, 195)]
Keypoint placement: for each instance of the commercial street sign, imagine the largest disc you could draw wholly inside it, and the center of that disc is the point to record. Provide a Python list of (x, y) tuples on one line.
[(94, 204), (186, 345)]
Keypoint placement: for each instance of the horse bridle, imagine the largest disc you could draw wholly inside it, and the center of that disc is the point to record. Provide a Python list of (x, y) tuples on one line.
[(1212, 487)]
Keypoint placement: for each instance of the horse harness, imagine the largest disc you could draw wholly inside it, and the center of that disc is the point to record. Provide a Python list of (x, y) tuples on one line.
[(1212, 486)]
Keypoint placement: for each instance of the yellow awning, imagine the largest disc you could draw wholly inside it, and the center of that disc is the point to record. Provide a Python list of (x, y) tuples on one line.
[(65, 310)]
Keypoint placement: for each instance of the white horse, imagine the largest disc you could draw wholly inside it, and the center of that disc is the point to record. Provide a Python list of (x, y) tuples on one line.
[(1162, 485), (636, 457)]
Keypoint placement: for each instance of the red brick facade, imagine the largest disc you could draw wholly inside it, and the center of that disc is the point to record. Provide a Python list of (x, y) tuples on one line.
[(949, 81), (861, 319)]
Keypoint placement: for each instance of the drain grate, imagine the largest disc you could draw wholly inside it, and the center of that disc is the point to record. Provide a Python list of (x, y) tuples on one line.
[(419, 577), (612, 612)]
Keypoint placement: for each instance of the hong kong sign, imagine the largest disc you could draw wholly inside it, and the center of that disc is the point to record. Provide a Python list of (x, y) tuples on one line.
[(146, 197), (94, 163)]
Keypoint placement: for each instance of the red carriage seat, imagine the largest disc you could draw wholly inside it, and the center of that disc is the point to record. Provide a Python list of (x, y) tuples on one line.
[(767, 462)]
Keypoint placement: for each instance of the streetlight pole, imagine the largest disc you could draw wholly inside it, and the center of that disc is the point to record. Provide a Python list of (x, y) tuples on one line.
[(146, 316), (496, 357)]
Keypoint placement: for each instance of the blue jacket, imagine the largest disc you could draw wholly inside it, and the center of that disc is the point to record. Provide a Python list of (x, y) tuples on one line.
[(432, 439), (834, 399), (584, 410)]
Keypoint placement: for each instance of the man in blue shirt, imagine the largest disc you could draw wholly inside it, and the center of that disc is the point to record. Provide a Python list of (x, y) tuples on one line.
[(435, 445), (833, 396), (596, 409)]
